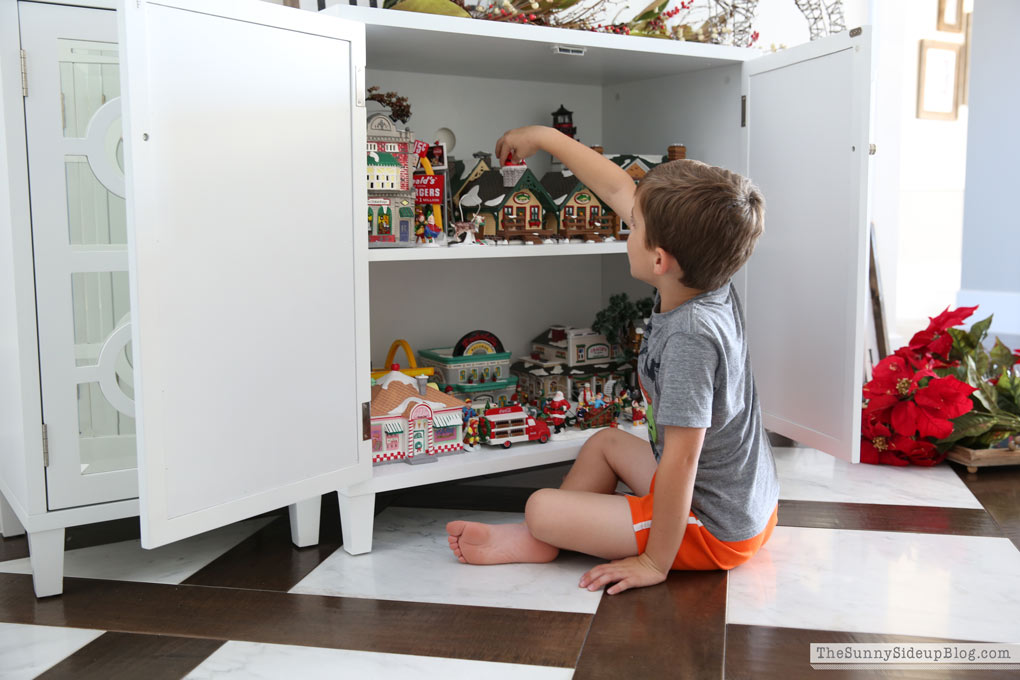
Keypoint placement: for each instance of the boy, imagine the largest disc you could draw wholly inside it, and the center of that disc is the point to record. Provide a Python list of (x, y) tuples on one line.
[(708, 480)]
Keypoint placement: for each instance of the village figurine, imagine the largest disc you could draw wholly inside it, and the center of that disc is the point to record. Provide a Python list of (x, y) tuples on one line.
[(471, 435), (637, 412), (600, 401), (557, 411), (431, 230), (469, 412)]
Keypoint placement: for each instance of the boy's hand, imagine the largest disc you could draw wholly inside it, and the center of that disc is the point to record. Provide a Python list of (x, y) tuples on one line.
[(520, 143), (630, 572)]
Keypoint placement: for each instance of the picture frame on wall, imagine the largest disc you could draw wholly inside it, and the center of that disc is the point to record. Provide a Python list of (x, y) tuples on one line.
[(950, 16), (965, 59), (938, 80)]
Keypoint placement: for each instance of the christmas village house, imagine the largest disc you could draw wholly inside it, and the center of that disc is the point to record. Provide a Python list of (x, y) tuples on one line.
[(580, 212), (513, 203), (481, 374), (585, 358), (413, 422), (391, 162)]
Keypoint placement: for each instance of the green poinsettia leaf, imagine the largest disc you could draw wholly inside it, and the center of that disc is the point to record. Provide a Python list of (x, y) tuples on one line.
[(979, 330), (970, 425), (974, 379), (653, 10), (962, 345), (444, 7), (1008, 389), (1002, 357)]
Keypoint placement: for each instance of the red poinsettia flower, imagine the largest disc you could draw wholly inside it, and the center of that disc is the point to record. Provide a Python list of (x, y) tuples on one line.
[(950, 318), (879, 452), (945, 397), (934, 342), (918, 452)]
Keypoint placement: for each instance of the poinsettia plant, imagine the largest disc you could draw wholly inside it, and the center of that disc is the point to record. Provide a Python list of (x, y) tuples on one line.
[(942, 389)]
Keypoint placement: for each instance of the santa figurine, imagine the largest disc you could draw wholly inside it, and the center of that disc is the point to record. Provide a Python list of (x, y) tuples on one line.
[(557, 411)]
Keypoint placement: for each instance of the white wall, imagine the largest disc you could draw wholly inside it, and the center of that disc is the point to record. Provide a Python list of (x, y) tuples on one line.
[(991, 228)]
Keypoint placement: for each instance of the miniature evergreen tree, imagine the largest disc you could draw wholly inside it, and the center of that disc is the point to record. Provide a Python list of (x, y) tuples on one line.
[(616, 321)]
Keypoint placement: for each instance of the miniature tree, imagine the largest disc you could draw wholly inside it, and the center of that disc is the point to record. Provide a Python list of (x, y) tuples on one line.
[(617, 322)]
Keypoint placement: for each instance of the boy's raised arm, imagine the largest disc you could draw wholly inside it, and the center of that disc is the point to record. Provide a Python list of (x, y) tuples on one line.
[(606, 179)]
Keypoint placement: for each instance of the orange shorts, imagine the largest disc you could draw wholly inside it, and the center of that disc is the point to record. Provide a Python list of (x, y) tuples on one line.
[(700, 549)]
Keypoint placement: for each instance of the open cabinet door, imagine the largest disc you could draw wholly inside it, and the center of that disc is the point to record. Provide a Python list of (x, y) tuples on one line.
[(244, 147), (807, 125)]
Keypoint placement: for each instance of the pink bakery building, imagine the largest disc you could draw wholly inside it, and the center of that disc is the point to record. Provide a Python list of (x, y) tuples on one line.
[(413, 422)]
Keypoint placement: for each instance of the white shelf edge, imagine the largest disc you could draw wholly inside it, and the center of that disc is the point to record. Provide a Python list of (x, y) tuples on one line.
[(484, 460), (390, 18), (423, 254)]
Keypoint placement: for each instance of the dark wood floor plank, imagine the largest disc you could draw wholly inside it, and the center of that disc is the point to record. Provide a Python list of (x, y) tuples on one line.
[(673, 630), (13, 548), (481, 633), (268, 560), (465, 497), (998, 490), (128, 656), (767, 653), (872, 517)]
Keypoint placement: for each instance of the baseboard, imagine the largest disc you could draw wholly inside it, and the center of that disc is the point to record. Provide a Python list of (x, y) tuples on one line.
[(1004, 305)]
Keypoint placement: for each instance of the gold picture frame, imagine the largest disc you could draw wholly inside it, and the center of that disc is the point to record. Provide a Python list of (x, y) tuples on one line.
[(964, 87), (950, 16), (938, 80)]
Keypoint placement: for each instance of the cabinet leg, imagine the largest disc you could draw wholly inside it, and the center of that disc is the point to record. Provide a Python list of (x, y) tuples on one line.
[(46, 553), (10, 525), (357, 515), (304, 522)]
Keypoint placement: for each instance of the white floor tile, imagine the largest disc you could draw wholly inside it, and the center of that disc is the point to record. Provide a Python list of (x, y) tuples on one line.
[(26, 651), (129, 561), (411, 561), (256, 661), (810, 475), (959, 587)]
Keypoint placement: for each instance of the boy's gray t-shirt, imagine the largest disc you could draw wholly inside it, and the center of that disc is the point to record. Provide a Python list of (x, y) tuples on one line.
[(695, 371)]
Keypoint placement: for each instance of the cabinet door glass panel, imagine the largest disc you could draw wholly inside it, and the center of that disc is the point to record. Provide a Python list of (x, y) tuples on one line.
[(102, 346), (76, 173)]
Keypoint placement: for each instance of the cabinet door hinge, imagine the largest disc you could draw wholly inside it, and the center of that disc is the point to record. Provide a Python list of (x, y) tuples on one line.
[(743, 110), (24, 75), (45, 447), (366, 421)]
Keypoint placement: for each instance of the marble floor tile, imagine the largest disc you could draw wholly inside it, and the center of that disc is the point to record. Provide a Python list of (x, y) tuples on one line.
[(810, 475), (26, 651), (411, 561), (129, 561), (958, 587), (256, 661)]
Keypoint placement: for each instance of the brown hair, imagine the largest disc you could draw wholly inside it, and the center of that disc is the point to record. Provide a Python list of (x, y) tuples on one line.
[(708, 218)]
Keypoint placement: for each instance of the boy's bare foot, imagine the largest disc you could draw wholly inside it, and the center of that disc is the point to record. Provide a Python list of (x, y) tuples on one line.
[(477, 543)]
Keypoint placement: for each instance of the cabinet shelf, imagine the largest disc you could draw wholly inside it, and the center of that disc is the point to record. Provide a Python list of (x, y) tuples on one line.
[(423, 254), (427, 43), (484, 460)]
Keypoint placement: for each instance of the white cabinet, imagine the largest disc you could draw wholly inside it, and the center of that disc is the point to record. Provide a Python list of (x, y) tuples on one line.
[(256, 305), (247, 276)]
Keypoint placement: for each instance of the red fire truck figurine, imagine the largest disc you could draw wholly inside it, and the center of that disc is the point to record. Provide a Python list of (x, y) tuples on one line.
[(557, 411), (513, 424)]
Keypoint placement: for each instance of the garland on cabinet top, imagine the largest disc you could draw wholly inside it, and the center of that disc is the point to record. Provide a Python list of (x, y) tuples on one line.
[(720, 22)]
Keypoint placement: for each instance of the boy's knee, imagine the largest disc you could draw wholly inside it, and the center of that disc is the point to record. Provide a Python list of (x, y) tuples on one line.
[(538, 510)]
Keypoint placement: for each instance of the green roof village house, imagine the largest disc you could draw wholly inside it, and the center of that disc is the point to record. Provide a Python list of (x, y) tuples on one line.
[(513, 203), (581, 213), (391, 161)]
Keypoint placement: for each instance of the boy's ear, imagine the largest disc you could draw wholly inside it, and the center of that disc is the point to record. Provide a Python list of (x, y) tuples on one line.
[(665, 263)]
